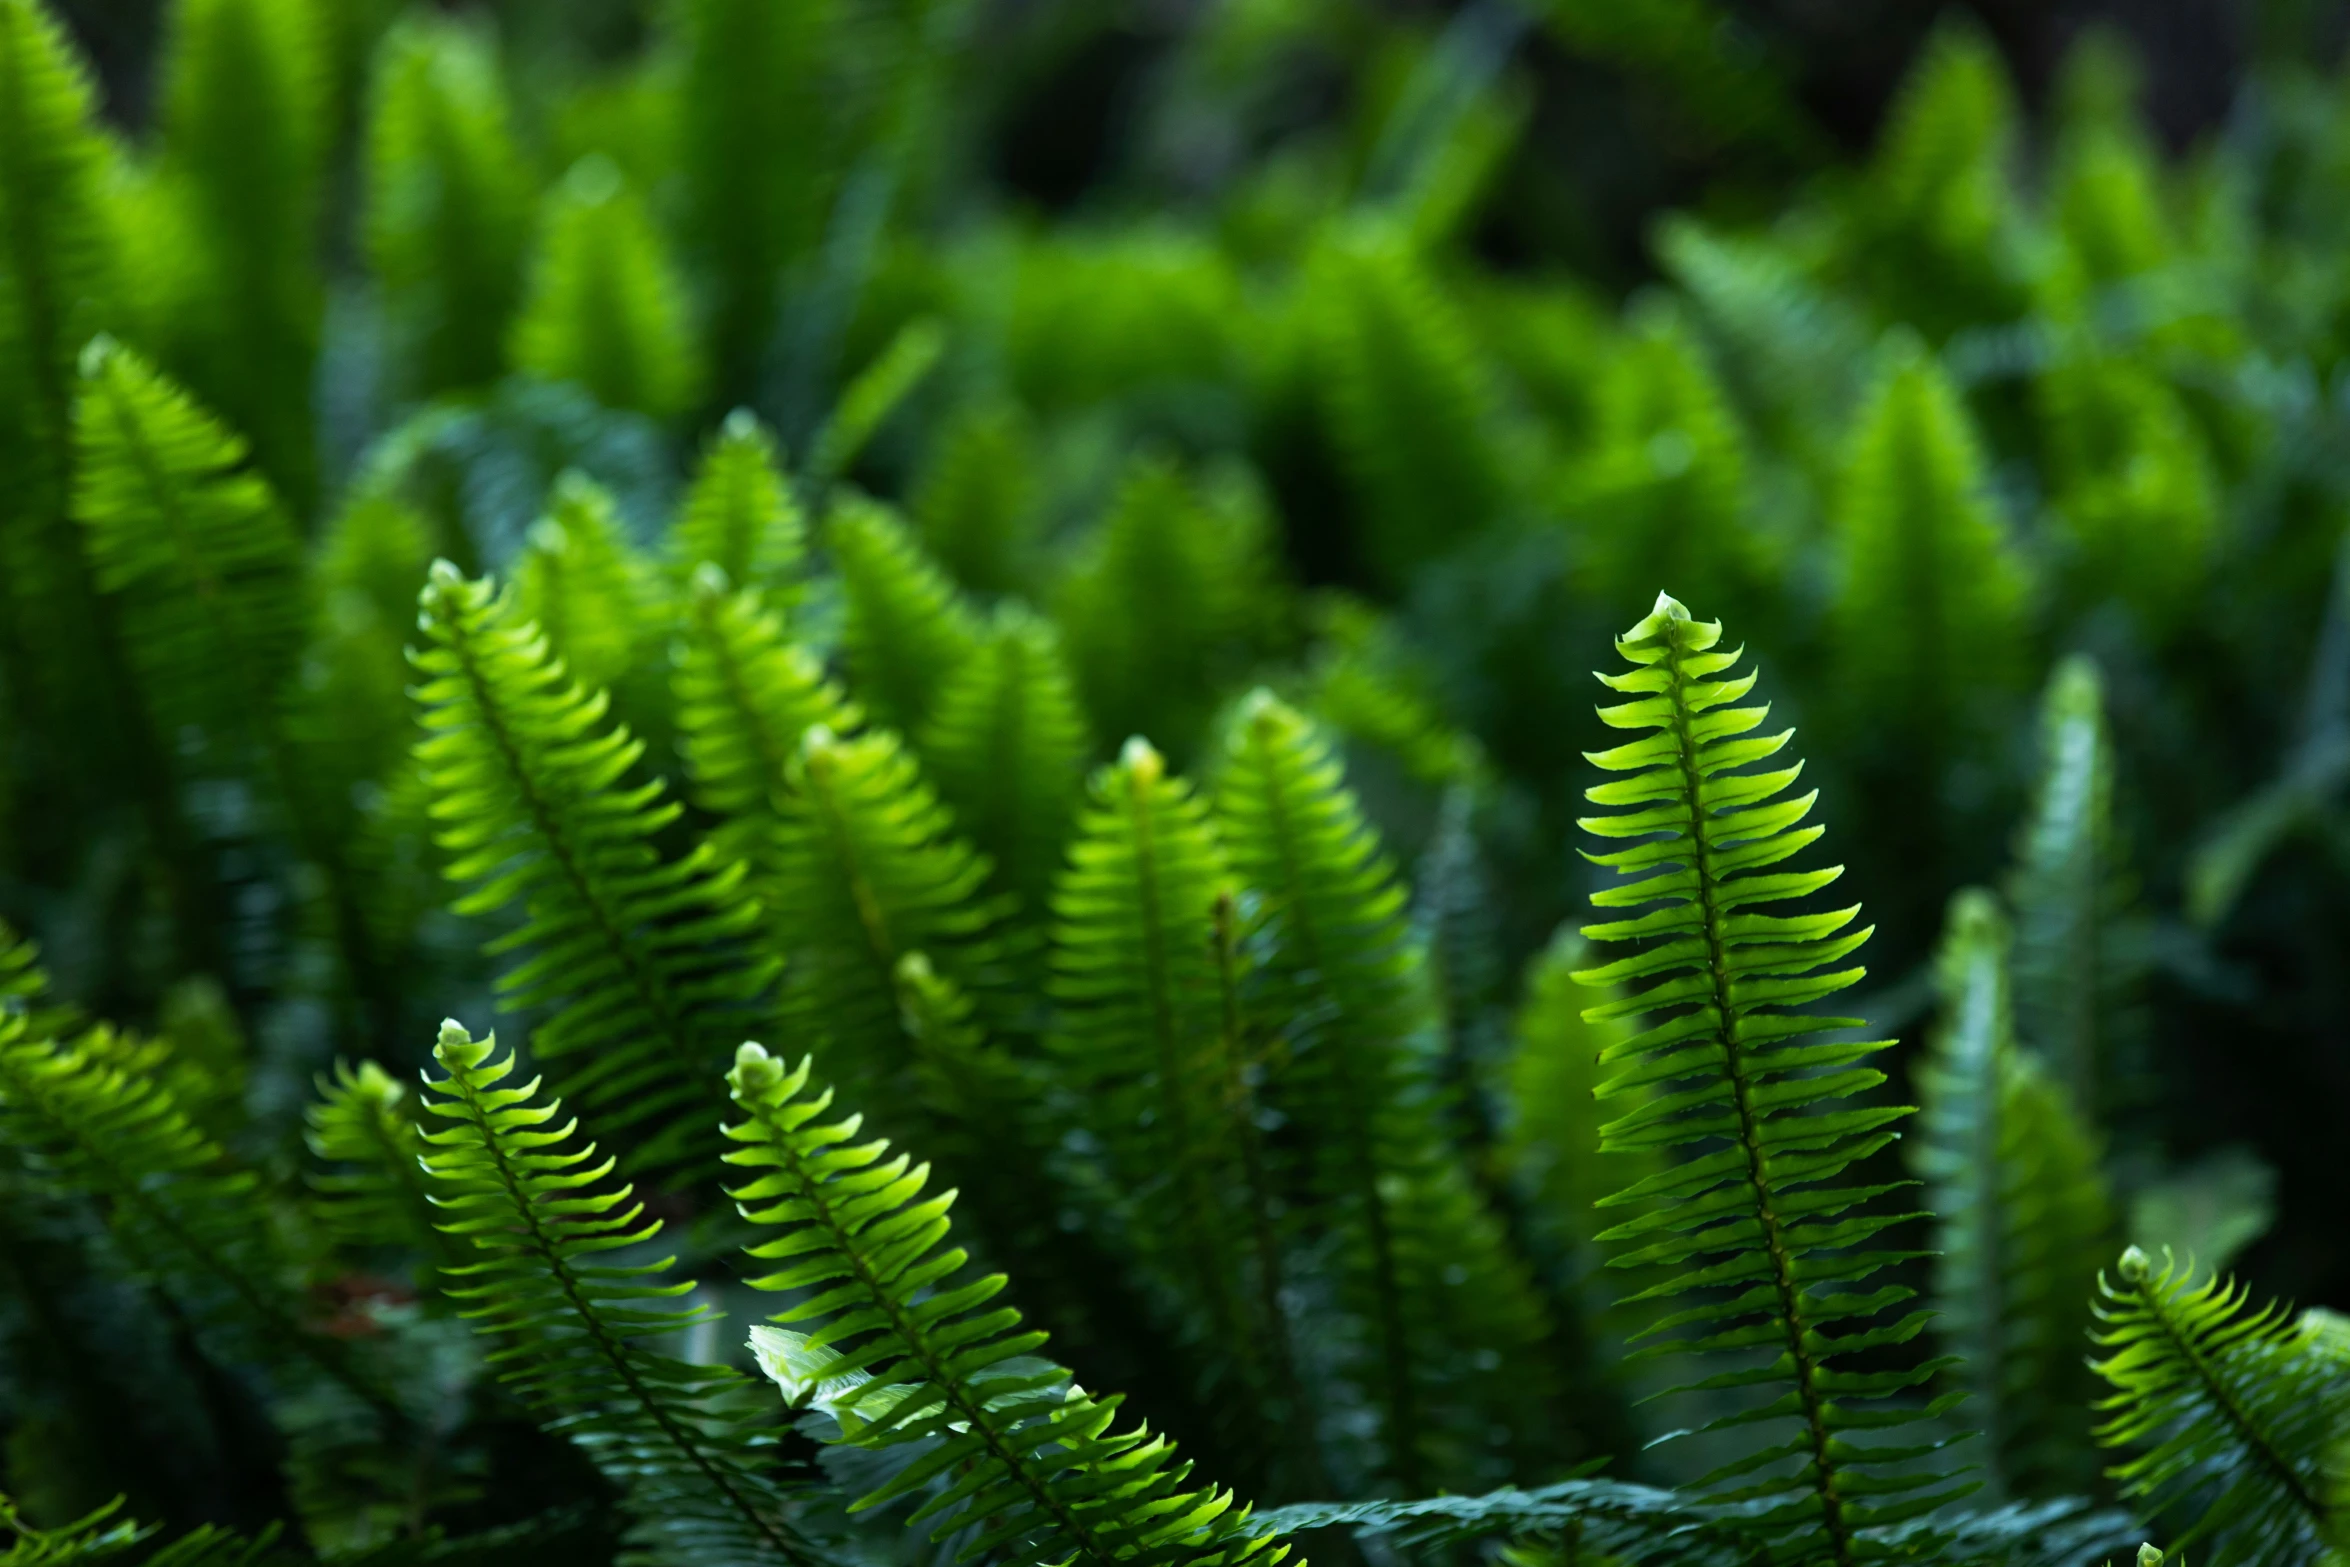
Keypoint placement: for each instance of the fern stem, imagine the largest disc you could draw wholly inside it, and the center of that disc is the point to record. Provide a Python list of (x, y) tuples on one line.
[(1758, 1175), (2232, 1410), (615, 1354)]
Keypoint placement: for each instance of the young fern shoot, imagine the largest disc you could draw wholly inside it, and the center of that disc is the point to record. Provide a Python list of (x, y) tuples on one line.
[(1771, 1253)]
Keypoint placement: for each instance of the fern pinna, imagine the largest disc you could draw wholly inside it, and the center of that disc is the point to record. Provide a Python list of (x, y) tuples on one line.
[(1777, 1263), (895, 1342)]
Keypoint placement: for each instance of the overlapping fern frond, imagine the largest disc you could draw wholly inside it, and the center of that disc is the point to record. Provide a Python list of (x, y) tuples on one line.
[(900, 1347), (575, 1328), (1777, 1256), (976, 497), (907, 631), (740, 515), (2233, 1413), (604, 306), (2022, 1217), (363, 1123), (637, 964)]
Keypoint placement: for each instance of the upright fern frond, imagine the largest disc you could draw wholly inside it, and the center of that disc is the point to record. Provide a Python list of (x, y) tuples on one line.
[(907, 630), (740, 515), (872, 396), (1007, 745), (1342, 984), (1770, 1252), (244, 149), (2136, 489), (599, 601), (639, 965), (686, 1444), (901, 1349), (2237, 1411), (448, 208), (2107, 196), (975, 499), (604, 307), (2022, 1215), (2079, 957), (364, 1123)]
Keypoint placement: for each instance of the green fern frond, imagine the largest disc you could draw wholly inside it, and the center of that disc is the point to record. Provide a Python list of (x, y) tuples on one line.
[(1778, 1266), (2235, 1411), (2079, 955), (639, 966), (1342, 984), (1007, 746), (598, 601), (244, 138), (976, 497), (901, 1349), (2106, 198), (871, 396), (906, 629), (1096, 315), (448, 200), (2022, 1215), (1164, 607), (740, 515), (604, 307), (688, 1445), (2136, 489), (364, 1123)]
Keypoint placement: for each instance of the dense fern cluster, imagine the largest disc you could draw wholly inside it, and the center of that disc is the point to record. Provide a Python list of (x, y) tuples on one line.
[(1080, 980)]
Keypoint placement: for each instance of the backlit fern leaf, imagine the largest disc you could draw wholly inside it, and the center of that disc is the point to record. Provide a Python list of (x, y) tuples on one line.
[(604, 306), (901, 1348), (364, 1124), (601, 604), (637, 964), (906, 630), (1777, 1265), (2022, 1215), (687, 1445), (740, 516), (2235, 1411)]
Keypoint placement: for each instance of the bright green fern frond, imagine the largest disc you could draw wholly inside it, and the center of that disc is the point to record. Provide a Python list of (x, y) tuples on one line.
[(364, 1123), (907, 630), (448, 200), (1778, 1265), (740, 515), (1007, 745), (2235, 1411), (2022, 1217), (2107, 196), (2079, 953), (976, 497), (604, 306), (245, 126), (638, 966), (688, 1445), (903, 1350), (587, 588), (1166, 604), (193, 546)]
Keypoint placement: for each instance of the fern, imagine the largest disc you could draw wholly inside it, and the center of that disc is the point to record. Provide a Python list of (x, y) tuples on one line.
[(1007, 746), (637, 963), (447, 205), (906, 631), (976, 499), (603, 306), (2235, 1410), (244, 145), (2021, 1217), (2136, 490), (872, 396), (2107, 200), (1771, 1255), (1012, 1456), (364, 1123), (740, 515), (685, 1443), (600, 603)]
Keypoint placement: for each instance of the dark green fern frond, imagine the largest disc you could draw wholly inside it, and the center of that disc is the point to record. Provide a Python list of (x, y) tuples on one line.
[(448, 202), (2234, 1411), (907, 630), (604, 307), (976, 498), (638, 966), (363, 1123), (872, 395), (2022, 1217), (601, 603), (902, 1350), (572, 1328), (1778, 1266), (1007, 745), (2136, 490), (740, 516)]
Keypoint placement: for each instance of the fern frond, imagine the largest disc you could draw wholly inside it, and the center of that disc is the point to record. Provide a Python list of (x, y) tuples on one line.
[(871, 396), (2136, 489), (1007, 745), (740, 516), (2022, 1215), (901, 1350), (2235, 1411), (244, 139), (976, 497), (1608, 1519), (687, 1445), (599, 602), (906, 630), (1343, 984), (638, 965), (448, 200), (364, 1123), (604, 307), (2106, 197), (1777, 1264), (2079, 955)]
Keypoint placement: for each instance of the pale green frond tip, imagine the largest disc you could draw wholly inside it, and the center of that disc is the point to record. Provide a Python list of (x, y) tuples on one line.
[(710, 581), (914, 969), (593, 180), (444, 574), (453, 1037), (755, 1070), (740, 425), (1142, 761), (2148, 1556), (819, 742), (95, 353), (1260, 706), (1653, 628), (2135, 1266)]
